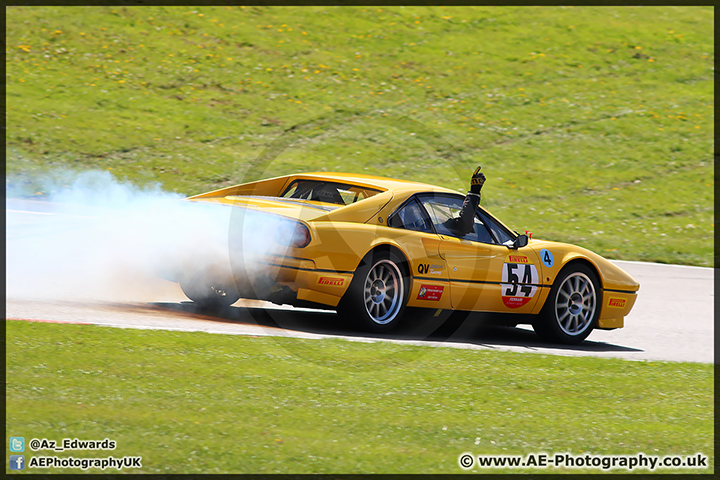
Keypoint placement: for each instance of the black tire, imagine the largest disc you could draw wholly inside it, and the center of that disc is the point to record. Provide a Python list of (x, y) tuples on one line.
[(572, 308), (376, 297), (208, 295)]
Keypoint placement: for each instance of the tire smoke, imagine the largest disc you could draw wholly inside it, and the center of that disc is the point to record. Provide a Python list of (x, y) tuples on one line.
[(94, 237)]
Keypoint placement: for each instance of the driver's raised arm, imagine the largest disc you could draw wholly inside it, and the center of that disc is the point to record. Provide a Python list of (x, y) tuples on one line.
[(463, 224)]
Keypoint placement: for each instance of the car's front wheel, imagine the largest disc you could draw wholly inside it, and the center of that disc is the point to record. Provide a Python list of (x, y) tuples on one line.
[(572, 308), (377, 294)]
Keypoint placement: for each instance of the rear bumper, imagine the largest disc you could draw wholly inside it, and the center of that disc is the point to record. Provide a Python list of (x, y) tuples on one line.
[(297, 280)]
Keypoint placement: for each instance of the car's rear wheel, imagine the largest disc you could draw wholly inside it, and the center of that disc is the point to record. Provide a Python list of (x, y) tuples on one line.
[(208, 294), (377, 294), (572, 308)]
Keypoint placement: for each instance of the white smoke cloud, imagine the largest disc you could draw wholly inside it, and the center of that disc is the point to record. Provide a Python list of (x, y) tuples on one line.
[(95, 237)]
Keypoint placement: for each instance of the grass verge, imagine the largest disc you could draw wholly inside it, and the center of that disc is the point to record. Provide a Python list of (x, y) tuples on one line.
[(203, 403)]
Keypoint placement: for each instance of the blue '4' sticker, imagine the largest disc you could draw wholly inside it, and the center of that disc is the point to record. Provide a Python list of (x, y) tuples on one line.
[(547, 258)]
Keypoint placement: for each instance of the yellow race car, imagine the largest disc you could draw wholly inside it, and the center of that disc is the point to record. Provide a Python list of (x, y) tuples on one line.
[(370, 246)]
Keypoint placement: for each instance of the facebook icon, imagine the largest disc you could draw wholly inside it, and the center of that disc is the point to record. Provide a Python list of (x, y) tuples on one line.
[(17, 462)]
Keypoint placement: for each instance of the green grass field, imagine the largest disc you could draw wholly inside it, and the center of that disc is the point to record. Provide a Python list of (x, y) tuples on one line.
[(203, 403), (593, 124)]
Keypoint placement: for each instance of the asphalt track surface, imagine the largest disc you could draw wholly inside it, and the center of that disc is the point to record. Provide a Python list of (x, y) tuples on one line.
[(673, 318)]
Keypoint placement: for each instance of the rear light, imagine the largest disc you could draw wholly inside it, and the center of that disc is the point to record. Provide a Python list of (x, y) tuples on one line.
[(299, 238)]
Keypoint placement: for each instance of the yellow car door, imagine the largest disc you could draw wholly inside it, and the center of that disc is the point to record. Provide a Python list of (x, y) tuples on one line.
[(414, 231), (484, 273)]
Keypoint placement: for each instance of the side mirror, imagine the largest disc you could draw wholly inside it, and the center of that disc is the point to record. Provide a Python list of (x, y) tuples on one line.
[(520, 241)]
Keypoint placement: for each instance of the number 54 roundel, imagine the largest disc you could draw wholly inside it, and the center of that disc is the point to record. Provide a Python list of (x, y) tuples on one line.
[(519, 281)]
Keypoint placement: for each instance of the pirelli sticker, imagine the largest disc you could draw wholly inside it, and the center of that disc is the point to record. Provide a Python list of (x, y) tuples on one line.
[(331, 281), (616, 302), (518, 259), (519, 280)]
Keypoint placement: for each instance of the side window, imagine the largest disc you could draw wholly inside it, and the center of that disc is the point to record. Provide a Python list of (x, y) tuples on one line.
[(411, 217), (500, 234), (480, 233), (444, 210)]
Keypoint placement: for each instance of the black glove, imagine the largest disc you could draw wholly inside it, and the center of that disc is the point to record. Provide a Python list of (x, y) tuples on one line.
[(477, 181)]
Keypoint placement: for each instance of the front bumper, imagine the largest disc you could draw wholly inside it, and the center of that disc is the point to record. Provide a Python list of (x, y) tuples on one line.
[(616, 305)]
